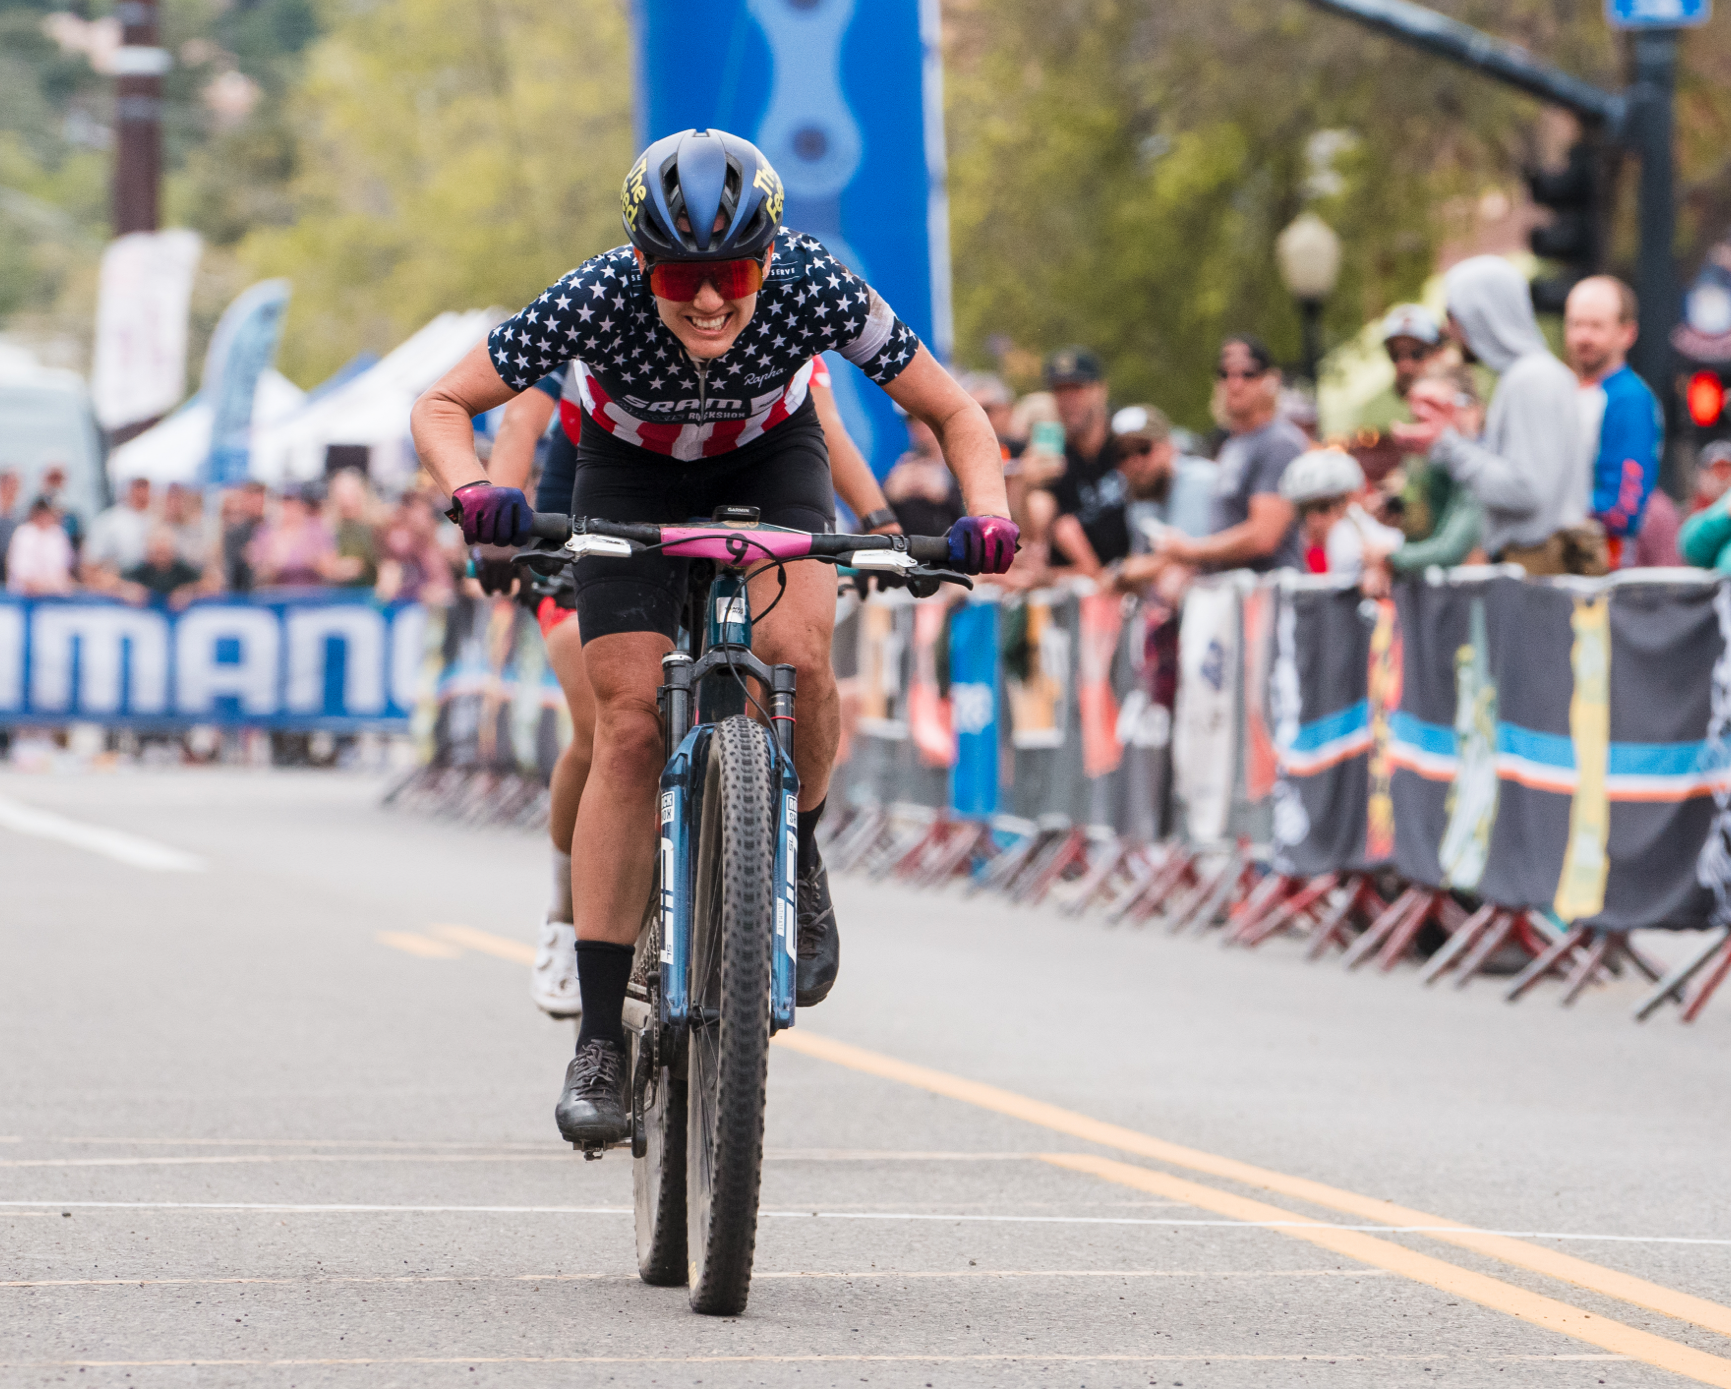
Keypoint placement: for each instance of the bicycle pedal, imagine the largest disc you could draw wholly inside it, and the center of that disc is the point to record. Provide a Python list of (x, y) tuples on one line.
[(592, 1152)]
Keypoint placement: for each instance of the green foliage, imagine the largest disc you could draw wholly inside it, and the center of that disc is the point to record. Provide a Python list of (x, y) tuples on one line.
[(453, 155)]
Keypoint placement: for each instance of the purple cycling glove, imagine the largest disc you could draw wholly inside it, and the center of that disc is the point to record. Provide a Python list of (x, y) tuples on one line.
[(492, 515), (983, 544)]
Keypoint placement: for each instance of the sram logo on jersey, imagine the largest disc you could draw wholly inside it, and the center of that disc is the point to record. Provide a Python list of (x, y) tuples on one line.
[(690, 405)]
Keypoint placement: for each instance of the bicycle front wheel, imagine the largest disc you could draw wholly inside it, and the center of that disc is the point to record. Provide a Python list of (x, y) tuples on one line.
[(733, 932)]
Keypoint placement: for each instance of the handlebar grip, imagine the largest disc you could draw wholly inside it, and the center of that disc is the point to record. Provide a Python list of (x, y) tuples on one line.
[(929, 549), (552, 525)]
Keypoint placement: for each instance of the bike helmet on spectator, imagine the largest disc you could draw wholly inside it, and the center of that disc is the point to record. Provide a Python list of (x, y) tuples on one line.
[(1321, 475), (699, 175)]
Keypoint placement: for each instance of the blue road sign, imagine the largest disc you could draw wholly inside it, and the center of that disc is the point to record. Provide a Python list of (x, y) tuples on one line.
[(1657, 14)]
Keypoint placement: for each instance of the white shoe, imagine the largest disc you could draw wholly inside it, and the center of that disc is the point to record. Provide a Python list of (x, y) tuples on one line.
[(553, 981)]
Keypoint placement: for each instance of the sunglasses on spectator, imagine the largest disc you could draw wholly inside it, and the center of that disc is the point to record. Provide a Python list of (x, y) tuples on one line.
[(1140, 447), (680, 280), (1254, 374), (1408, 354)]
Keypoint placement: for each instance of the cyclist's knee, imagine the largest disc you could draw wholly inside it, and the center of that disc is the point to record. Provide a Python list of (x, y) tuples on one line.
[(628, 726)]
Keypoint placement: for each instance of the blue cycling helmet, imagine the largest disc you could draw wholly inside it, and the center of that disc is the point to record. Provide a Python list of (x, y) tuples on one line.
[(702, 174)]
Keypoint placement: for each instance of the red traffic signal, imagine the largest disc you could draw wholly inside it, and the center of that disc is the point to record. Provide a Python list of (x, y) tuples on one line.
[(1706, 396)]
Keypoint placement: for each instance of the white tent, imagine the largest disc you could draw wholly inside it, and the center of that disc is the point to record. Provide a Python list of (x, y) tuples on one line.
[(175, 449), (372, 409), (292, 430)]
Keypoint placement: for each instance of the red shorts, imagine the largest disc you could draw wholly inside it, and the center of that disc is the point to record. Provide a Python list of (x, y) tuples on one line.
[(549, 614)]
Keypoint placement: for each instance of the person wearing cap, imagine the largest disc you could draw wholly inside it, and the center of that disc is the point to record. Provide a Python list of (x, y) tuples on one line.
[(1412, 337), (1077, 383), (1338, 535), (1100, 522), (1251, 526)]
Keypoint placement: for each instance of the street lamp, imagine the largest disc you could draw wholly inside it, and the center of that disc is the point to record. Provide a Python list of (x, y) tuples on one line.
[(1308, 254)]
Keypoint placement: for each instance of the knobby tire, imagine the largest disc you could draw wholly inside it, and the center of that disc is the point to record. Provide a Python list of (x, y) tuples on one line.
[(733, 931)]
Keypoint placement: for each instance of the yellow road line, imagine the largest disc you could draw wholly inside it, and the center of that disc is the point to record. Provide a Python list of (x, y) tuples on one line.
[(487, 944), (1581, 1272), (424, 946), (1545, 1312)]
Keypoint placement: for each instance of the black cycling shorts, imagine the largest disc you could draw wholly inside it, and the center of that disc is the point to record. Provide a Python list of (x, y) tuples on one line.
[(784, 473)]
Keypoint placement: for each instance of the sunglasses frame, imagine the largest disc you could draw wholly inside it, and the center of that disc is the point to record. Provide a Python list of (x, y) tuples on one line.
[(709, 272)]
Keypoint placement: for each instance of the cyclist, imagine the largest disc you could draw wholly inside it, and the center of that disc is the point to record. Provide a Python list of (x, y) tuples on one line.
[(692, 347), (553, 976)]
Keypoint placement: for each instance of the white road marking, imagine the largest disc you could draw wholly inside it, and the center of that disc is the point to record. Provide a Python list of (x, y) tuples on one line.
[(757, 1275), (281, 1209), (131, 849)]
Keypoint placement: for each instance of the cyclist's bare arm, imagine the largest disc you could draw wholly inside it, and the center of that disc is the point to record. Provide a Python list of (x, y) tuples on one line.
[(848, 470), (928, 392), (524, 423), (443, 420)]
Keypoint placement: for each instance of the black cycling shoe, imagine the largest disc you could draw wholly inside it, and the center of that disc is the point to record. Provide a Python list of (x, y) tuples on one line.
[(819, 949), (594, 1108)]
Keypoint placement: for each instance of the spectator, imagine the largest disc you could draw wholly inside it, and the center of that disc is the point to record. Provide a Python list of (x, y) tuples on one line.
[(39, 557), (1620, 415), (183, 514), (1712, 475), (116, 540), (997, 400), (8, 522), (1656, 545), (1440, 521), (1411, 336), (1077, 382), (1705, 538), (295, 548), (1528, 472), (1337, 534), (355, 563), (1098, 522), (53, 488), (921, 490), (1252, 524), (413, 567), (242, 515), (163, 576)]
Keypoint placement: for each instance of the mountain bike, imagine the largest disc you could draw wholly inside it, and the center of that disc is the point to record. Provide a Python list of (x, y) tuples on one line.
[(714, 972)]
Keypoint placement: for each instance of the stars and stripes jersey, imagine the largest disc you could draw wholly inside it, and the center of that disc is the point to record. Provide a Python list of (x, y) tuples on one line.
[(630, 375)]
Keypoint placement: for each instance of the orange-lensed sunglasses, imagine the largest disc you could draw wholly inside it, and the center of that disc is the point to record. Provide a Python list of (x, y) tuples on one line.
[(679, 280)]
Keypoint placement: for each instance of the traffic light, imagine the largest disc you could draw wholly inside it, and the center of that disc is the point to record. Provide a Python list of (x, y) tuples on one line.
[(1705, 394), (1573, 239)]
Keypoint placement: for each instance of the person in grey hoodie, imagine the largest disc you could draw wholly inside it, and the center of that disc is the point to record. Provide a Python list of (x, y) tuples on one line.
[(1528, 471)]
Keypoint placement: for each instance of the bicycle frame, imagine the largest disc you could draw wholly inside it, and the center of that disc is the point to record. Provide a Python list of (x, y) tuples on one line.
[(722, 655)]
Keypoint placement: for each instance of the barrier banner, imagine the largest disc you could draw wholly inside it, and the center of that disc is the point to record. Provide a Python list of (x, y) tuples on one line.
[(1537, 744), (291, 662), (974, 708), (1205, 721), (1320, 656)]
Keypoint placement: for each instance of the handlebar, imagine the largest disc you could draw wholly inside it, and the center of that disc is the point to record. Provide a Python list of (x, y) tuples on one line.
[(926, 549)]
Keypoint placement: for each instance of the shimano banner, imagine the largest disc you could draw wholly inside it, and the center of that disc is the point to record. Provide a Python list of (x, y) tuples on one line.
[(296, 662), (845, 97)]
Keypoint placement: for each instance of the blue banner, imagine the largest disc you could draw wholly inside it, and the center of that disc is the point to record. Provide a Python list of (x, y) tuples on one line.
[(845, 97), (974, 708), (243, 345), (288, 660)]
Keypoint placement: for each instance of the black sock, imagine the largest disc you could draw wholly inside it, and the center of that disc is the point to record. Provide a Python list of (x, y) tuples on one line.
[(603, 971), (808, 857)]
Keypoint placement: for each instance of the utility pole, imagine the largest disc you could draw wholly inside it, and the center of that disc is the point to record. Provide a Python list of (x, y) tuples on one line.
[(138, 67), (1652, 103)]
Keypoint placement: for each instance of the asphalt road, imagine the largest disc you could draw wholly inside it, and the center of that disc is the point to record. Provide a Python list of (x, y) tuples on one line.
[(282, 1115)]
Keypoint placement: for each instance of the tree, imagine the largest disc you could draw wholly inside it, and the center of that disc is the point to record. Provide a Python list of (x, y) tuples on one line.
[(454, 154)]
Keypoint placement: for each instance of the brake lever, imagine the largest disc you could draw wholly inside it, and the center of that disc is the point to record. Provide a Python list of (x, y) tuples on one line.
[(546, 562), (924, 580)]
